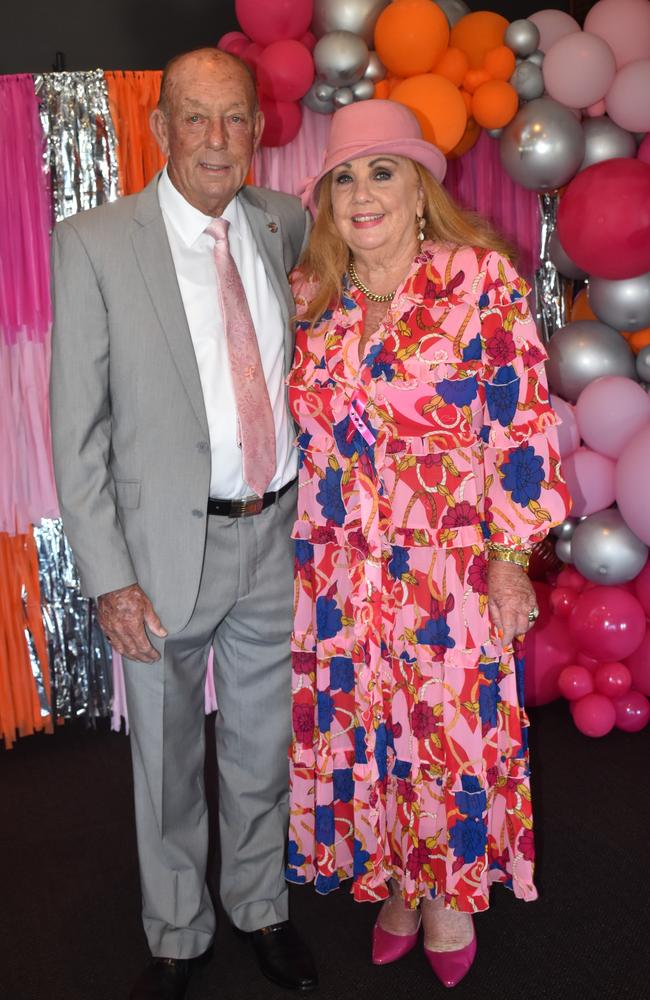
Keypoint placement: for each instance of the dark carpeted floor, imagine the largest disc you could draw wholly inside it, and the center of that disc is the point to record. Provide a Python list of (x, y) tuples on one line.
[(69, 899)]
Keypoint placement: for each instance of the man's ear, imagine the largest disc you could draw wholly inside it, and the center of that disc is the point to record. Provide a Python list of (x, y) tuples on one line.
[(159, 126), (259, 128)]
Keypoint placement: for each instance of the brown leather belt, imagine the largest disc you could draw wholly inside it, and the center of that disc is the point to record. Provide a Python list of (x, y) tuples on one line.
[(246, 506)]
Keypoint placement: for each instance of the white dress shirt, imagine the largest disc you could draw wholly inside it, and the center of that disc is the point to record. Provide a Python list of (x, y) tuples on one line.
[(192, 252)]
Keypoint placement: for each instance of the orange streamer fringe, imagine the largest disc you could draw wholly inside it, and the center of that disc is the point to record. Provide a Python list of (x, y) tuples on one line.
[(133, 94)]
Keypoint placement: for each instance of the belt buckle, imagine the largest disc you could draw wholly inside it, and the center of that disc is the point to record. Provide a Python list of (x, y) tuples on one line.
[(247, 507)]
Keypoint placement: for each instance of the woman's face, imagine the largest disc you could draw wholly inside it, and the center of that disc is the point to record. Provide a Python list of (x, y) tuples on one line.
[(375, 202)]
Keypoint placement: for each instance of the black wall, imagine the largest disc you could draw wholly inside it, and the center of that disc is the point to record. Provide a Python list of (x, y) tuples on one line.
[(140, 34)]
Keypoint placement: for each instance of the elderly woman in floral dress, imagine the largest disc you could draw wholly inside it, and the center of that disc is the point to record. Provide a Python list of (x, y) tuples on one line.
[(429, 467)]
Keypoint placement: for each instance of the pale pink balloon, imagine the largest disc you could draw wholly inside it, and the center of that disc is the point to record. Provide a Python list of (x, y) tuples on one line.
[(553, 25), (642, 588), (612, 679), (633, 484), (632, 712), (643, 152), (594, 715), (590, 478), (610, 411), (575, 682), (638, 663), (624, 25), (579, 70), (568, 435), (548, 649), (628, 98)]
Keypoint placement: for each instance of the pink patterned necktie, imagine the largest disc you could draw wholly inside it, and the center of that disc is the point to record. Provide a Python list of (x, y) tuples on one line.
[(254, 413)]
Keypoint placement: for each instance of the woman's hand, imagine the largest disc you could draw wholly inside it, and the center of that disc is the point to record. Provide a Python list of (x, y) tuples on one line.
[(510, 598)]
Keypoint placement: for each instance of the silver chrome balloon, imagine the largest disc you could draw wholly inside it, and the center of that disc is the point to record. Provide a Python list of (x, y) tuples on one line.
[(566, 528), (543, 146), (453, 10), (494, 133), (563, 549), (537, 58), (528, 81), (323, 91), (605, 550), (357, 16), (562, 261), (340, 58), (605, 140), (643, 364), (582, 351), (363, 90), (623, 304), (522, 37), (375, 70), (314, 102), (343, 96)]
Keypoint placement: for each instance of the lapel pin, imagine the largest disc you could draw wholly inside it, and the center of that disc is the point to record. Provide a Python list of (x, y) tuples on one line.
[(272, 227)]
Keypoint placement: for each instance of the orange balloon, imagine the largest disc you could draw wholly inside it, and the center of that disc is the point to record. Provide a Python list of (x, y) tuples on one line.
[(470, 137), (476, 34), (500, 63), (438, 106), (392, 82), (639, 339), (410, 36), (467, 97), (474, 78), (495, 104), (581, 308), (453, 64), (382, 90)]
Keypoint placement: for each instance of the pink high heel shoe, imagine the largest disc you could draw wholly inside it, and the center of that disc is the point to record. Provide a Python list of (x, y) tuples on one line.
[(387, 947), (451, 966)]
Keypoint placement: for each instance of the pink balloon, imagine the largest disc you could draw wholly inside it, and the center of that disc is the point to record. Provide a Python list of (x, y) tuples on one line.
[(627, 99), (632, 482), (548, 649), (607, 622), (282, 121), (562, 601), (638, 663), (594, 715), (251, 54), (285, 70), (309, 40), (568, 435), (575, 682), (642, 588), (587, 661), (632, 711), (234, 42), (596, 110), (579, 69), (612, 679), (570, 577), (610, 411), (553, 25), (603, 219), (274, 19), (643, 152), (590, 478), (625, 26)]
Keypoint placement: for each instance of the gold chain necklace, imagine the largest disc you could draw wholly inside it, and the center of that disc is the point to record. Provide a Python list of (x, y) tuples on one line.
[(356, 280)]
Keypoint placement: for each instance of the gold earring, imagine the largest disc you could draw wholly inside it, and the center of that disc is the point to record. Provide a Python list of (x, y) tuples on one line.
[(421, 224)]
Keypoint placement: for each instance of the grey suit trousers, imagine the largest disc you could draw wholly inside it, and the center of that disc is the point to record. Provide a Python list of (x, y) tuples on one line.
[(244, 610)]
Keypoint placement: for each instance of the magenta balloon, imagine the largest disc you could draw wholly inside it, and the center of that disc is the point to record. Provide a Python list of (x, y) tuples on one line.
[(610, 411), (587, 661), (624, 25), (632, 711), (282, 121), (607, 622), (233, 42), (562, 601), (642, 588), (627, 100), (271, 20), (590, 478), (285, 70), (579, 70), (643, 152), (603, 219), (612, 679), (568, 434), (570, 577), (548, 649), (594, 715), (553, 25), (632, 483), (638, 663), (575, 682)]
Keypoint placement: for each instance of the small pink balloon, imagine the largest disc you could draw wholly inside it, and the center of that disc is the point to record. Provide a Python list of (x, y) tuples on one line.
[(627, 99), (624, 25), (568, 434), (590, 478), (587, 661), (548, 649), (234, 42), (579, 69), (594, 715), (607, 622), (570, 577), (596, 110), (285, 70), (612, 679), (638, 664), (282, 121), (612, 394), (632, 711), (575, 682), (562, 601), (643, 152), (641, 585), (309, 40), (251, 54), (633, 484), (553, 25)]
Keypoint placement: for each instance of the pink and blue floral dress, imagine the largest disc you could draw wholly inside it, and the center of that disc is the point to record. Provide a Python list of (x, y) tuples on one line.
[(409, 754)]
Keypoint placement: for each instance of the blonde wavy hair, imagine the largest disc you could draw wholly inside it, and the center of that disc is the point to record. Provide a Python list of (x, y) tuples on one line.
[(326, 256)]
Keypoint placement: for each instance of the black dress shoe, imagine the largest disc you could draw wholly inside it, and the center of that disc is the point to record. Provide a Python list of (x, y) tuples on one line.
[(163, 979), (283, 957)]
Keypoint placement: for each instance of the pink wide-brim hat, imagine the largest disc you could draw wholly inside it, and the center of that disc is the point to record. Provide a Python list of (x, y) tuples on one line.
[(374, 126)]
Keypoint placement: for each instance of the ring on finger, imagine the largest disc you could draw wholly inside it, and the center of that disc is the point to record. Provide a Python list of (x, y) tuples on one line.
[(533, 615)]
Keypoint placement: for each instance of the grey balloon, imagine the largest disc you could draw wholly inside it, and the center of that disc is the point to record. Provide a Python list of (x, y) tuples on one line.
[(357, 16), (313, 101), (340, 58), (363, 90), (522, 37), (605, 140), (563, 549), (562, 261), (623, 304), (643, 364), (543, 145), (343, 96), (375, 70), (566, 528), (494, 133), (537, 58), (605, 550), (528, 81), (324, 91), (453, 10), (582, 351)]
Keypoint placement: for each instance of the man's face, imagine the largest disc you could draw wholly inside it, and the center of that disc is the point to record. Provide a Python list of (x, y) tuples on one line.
[(209, 130)]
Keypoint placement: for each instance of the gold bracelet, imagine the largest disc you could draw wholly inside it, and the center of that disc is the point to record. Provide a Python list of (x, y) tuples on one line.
[(503, 553)]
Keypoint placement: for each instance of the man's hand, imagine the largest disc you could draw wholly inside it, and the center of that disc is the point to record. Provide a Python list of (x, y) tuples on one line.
[(122, 615), (510, 597)]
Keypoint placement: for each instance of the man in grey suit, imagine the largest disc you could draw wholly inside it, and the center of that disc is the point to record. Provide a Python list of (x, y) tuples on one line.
[(167, 536)]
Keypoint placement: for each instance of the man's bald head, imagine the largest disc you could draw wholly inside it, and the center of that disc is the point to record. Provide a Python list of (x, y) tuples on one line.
[(183, 64)]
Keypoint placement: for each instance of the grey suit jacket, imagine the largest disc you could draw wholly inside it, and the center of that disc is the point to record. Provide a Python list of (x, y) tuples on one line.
[(129, 430)]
